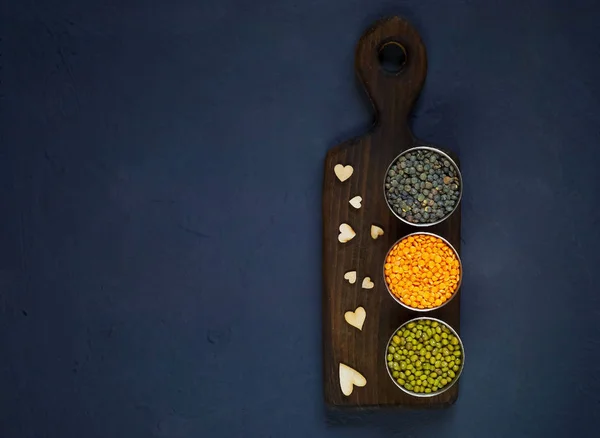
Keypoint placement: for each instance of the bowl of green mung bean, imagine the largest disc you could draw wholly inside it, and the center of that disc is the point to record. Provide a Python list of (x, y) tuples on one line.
[(425, 357), (422, 186)]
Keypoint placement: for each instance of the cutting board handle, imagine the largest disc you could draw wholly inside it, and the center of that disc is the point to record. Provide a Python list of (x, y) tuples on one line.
[(392, 93)]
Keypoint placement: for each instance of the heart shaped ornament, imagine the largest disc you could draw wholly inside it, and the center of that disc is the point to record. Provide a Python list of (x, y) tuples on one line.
[(349, 378), (356, 202), (346, 233), (376, 231), (350, 276), (356, 318), (343, 172), (367, 283)]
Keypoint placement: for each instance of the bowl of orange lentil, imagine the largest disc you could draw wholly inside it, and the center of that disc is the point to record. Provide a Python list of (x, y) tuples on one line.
[(422, 271)]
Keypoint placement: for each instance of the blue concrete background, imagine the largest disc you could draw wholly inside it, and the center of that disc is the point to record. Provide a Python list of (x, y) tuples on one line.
[(160, 187)]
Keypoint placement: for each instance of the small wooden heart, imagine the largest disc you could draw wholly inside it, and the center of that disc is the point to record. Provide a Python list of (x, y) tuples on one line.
[(343, 172), (350, 276), (356, 202), (367, 283), (376, 231), (346, 233), (356, 318), (349, 378)]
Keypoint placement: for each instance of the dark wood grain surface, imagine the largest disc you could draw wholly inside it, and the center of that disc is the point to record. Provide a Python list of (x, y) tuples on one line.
[(393, 96)]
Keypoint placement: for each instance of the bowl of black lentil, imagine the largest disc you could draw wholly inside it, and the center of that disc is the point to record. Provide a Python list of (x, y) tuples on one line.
[(422, 186), (425, 357)]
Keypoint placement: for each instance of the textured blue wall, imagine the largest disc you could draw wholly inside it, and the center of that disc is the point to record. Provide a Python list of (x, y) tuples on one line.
[(160, 187)]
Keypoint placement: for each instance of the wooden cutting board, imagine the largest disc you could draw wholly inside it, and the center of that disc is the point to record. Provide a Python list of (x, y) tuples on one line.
[(392, 95)]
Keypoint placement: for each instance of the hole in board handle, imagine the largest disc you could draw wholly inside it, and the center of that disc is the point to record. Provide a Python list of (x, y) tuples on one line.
[(392, 57)]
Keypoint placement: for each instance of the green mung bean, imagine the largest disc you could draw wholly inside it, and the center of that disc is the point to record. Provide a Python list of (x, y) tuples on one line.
[(427, 365)]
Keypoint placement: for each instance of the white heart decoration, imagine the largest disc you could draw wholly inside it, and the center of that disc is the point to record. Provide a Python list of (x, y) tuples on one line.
[(367, 283), (346, 233), (350, 276), (343, 172), (349, 378), (356, 202), (376, 231), (356, 318)]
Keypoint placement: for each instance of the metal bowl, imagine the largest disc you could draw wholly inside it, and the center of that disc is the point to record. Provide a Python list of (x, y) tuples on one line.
[(459, 266), (460, 185), (458, 373)]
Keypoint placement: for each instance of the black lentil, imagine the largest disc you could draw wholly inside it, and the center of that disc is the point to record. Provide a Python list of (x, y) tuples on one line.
[(422, 186)]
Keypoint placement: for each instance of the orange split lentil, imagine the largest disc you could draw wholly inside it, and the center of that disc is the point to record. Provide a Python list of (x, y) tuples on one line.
[(422, 271)]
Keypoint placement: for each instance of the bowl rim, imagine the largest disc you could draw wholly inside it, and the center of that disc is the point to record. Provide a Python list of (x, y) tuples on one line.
[(445, 155), (458, 374), (460, 266)]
